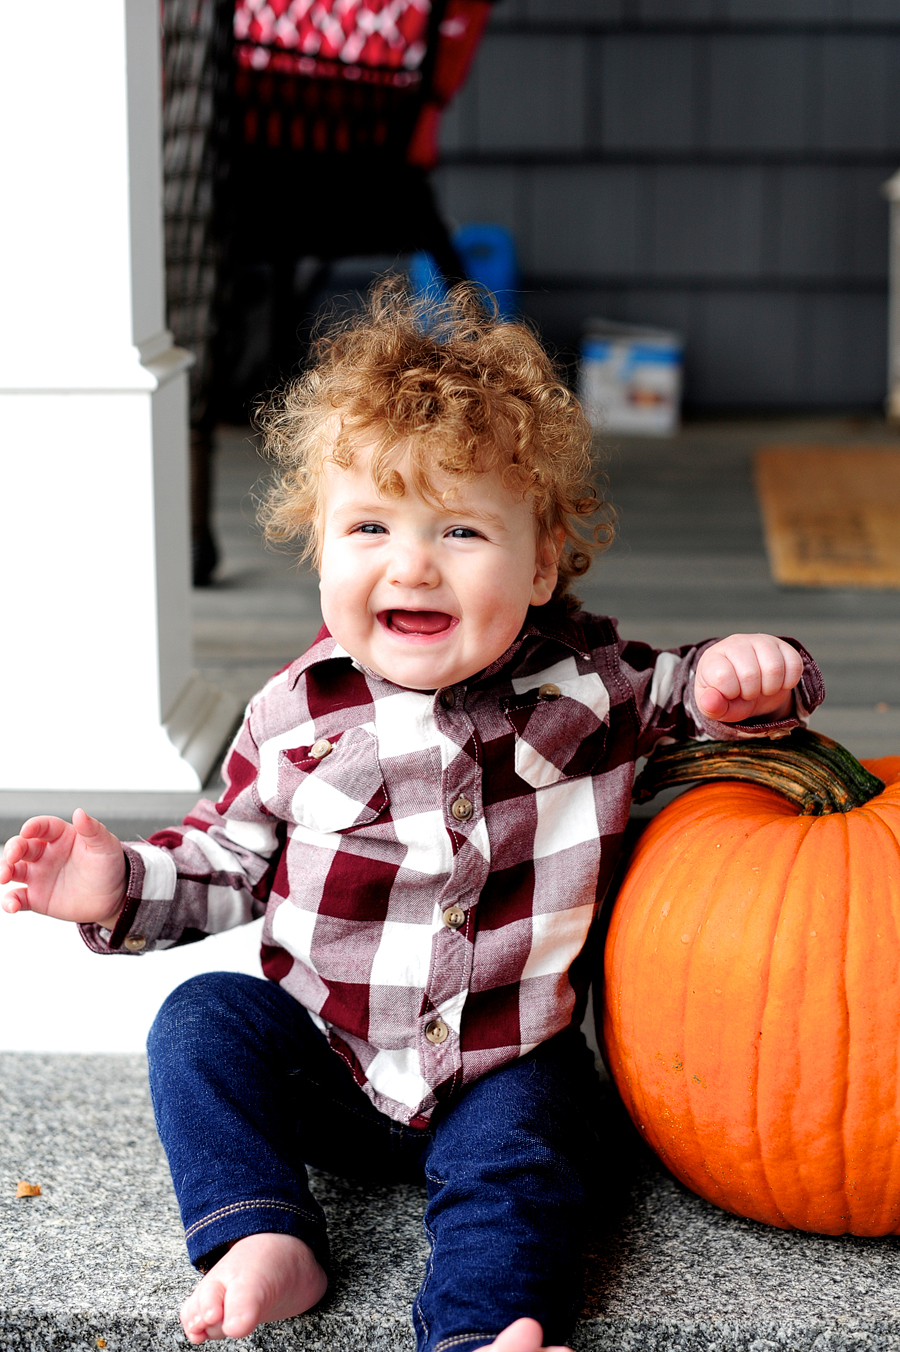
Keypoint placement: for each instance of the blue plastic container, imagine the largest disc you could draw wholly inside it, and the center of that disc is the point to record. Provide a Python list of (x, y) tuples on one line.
[(488, 256)]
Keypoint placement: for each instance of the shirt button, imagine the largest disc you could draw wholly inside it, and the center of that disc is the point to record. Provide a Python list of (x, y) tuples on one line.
[(448, 699), (549, 691), (454, 917), (320, 749), (462, 809), (437, 1031), (135, 943)]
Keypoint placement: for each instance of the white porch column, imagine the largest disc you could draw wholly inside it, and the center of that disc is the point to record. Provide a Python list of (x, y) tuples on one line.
[(96, 688)]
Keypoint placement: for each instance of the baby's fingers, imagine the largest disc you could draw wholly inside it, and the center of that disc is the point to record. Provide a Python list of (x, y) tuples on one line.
[(713, 702), (43, 828), (93, 834), (750, 667), (18, 849), (11, 902), (749, 678), (764, 665), (17, 855), (782, 672), (13, 873), (718, 671)]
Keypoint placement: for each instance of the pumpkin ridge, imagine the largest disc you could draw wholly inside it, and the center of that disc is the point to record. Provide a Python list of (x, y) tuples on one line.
[(713, 1190), (787, 867), (848, 1041), (674, 875), (619, 1030), (809, 1022), (643, 861), (870, 824), (894, 837), (713, 1185)]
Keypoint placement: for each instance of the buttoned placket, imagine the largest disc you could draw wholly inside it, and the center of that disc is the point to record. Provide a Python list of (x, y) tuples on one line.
[(452, 953)]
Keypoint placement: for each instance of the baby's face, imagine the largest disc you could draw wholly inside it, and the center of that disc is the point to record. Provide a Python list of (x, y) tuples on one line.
[(427, 594)]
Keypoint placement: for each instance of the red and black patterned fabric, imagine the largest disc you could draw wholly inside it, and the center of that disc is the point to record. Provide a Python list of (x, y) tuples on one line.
[(429, 867), (350, 76), (354, 39)]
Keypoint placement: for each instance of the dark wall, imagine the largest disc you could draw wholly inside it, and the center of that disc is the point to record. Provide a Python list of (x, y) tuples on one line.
[(711, 166)]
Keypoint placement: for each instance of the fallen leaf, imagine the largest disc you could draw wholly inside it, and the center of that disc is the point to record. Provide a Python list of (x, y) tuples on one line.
[(101, 1342), (24, 1189)]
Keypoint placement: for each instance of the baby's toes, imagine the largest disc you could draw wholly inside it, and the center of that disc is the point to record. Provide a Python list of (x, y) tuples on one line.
[(201, 1313), (242, 1313), (194, 1328)]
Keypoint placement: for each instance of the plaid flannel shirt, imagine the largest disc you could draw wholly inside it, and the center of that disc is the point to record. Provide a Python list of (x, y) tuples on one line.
[(429, 863)]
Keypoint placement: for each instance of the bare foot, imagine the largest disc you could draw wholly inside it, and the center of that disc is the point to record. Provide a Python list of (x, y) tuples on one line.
[(260, 1278), (524, 1335)]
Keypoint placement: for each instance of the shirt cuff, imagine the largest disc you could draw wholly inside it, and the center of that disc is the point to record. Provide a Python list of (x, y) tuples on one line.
[(808, 694), (150, 888)]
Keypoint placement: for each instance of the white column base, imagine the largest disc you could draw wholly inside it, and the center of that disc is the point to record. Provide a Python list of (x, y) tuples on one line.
[(199, 724), (176, 756)]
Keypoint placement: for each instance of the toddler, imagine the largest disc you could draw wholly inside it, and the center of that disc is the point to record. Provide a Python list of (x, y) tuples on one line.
[(427, 806)]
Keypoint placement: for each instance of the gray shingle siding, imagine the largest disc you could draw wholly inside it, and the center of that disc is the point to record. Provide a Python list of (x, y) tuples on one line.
[(712, 165)]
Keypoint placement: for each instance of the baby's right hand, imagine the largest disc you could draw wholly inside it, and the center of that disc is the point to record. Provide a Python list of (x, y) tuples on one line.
[(71, 872)]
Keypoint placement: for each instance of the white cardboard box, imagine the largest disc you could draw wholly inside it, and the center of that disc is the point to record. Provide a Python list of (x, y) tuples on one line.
[(630, 378)]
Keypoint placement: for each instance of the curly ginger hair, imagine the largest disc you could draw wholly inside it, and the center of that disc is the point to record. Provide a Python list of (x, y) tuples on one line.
[(453, 391)]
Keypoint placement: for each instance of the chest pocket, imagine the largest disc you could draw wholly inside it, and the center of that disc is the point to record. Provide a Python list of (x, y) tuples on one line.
[(562, 736), (334, 791)]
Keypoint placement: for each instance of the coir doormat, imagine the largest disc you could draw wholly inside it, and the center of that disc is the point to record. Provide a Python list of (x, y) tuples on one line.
[(831, 514)]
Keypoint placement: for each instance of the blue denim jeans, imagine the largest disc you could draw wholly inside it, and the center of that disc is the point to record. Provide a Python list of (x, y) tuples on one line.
[(247, 1091)]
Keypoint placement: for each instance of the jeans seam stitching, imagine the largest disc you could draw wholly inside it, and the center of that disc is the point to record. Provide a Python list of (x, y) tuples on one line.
[(460, 1338), (429, 1268), (270, 1202)]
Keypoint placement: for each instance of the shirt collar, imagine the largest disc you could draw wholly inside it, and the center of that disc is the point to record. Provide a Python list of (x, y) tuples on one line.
[(542, 623), (324, 649), (552, 623)]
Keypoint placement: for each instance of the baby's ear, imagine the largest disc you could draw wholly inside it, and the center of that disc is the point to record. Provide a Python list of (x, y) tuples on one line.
[(546, 566)]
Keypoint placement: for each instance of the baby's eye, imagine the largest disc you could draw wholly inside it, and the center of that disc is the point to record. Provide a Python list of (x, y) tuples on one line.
[(462, 533), (371, 528)]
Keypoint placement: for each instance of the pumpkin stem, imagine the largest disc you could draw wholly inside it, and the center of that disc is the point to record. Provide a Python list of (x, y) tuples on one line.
[(814, 773)]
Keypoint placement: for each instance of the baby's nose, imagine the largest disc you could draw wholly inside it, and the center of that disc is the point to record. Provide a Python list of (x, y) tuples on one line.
[(412, 565)]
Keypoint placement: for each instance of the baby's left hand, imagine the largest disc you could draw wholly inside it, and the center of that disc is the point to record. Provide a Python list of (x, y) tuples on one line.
[(747, 675)]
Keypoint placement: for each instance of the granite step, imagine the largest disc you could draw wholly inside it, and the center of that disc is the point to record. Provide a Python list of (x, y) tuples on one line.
[(97, 1260)]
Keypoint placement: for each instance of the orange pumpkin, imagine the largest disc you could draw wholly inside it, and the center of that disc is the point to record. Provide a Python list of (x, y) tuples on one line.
[(751, 1015)]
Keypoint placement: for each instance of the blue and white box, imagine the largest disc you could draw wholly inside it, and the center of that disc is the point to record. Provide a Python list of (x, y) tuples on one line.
[(629, 378)]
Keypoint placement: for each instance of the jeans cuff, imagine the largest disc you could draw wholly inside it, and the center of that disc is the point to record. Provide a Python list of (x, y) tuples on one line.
[(210, 1236)]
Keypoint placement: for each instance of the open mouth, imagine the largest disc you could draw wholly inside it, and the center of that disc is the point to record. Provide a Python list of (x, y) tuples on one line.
[(418, 623)]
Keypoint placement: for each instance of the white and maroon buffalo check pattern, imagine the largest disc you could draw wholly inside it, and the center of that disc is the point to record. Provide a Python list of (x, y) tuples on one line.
[(355, 856)]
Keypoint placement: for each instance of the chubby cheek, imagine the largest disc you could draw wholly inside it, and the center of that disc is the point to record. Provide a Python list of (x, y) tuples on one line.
[(499, 618), (342, 597), (345, 622)]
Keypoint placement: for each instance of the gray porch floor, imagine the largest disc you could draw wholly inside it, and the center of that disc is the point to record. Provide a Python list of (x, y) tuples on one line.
[(97, 1261)]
